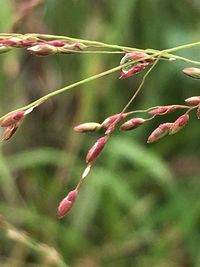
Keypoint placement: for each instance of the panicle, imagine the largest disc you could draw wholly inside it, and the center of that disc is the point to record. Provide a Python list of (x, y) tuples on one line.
[(87, 127), (194, 100), (67, 203), (96, 149), (132, 124), (158, 133), (179, 124)]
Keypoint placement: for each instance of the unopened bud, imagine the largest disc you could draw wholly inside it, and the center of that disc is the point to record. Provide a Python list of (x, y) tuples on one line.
[(96, 149), (114, 118), (179, 124), (43, 50), (132, 124), (13, 118), (9, 132), (134, 69), (194, 100), (158, 133), (67, 203), (192, 72), (163, 109), (87, 127)]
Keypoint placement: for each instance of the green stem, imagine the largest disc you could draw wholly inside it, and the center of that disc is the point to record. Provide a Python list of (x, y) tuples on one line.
[(140, 86), (165, 52), (154, 53), (61, 90)]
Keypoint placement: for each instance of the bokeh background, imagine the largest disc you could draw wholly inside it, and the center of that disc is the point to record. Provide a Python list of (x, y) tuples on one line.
[(140, 206)]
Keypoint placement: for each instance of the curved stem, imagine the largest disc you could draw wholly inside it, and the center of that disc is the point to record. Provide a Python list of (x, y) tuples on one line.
[(165, 52), (140, 86), (66, 88)]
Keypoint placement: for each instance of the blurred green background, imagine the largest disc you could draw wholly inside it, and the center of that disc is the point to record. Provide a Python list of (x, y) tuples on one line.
[(140, 206)]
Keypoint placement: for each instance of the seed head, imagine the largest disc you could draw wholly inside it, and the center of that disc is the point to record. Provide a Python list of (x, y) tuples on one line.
[(160, 132), (179, 124), (132, 124), (194, 100), (67, 203), (87, 127), (192, 72), (96, 149)]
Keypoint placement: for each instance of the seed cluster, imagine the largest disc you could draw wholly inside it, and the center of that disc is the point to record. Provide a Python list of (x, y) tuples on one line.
[(131, 64), (39, 47)]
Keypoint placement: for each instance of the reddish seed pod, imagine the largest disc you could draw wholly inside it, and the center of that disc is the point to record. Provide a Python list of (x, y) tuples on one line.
[(87, 127), (114, 118), (192, 72), (43, 50), (67, 203), (158, 133), (12, 119), (134, 70), (132, 124), (194, 100), (179, 124), (164, 109), (96, 149)]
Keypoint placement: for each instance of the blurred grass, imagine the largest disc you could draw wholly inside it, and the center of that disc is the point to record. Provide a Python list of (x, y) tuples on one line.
[(140, 205)]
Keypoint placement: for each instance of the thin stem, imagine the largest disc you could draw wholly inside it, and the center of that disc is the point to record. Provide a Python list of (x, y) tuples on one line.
[(140, 86), (61, 90), (165, 52)]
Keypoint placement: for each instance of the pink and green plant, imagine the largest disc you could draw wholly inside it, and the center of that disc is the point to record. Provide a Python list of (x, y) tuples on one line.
[(133, 61)]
